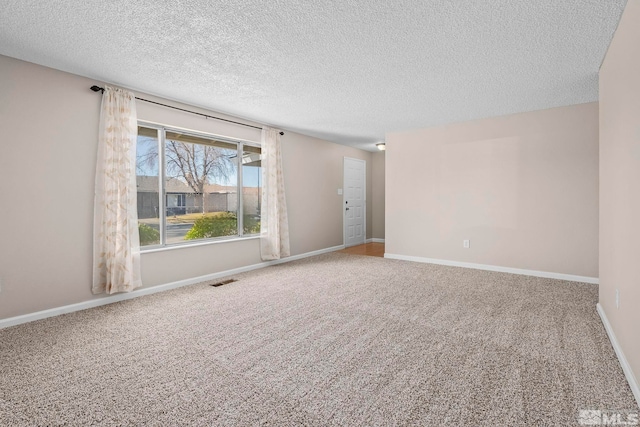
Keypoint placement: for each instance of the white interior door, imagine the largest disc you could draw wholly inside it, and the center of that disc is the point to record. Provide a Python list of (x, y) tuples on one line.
[(354, 203)]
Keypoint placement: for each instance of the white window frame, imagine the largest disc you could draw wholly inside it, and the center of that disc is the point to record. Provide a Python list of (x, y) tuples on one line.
[(240, 143)]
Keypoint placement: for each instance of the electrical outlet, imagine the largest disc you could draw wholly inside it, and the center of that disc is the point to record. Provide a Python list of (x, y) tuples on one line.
[(617, 298), (465, 244)]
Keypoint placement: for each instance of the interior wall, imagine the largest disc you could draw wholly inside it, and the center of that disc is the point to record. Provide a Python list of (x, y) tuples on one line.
[(522, 188), (620, 184), (47, 167), (315, 171), (377, 182)]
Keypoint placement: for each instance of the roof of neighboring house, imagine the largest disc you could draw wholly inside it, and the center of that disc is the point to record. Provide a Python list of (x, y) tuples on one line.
[(217, 188), (149, 184)]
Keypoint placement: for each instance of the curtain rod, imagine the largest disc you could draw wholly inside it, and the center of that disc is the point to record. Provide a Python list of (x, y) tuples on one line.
[(101, 89)]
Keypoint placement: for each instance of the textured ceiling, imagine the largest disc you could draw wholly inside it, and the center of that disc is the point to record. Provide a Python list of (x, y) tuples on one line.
[(346, 70)]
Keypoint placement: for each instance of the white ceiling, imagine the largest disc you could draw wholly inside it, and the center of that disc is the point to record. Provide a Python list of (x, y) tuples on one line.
[(343, 70)]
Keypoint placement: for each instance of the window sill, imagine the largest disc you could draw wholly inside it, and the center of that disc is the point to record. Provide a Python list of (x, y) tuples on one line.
[(207, 242)]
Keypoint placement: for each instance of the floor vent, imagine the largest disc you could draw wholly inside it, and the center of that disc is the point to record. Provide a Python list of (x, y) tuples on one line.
[(224, 282)]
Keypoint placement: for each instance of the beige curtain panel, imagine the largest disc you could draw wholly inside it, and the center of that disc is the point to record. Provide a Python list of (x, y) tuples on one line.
[(116, 243), (274, 223)]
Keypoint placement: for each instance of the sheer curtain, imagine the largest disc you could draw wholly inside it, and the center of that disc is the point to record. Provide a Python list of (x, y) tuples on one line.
[(116, 243), (274, 224)]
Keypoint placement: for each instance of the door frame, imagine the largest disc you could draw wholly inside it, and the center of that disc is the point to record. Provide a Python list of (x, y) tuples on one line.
[(344, 199)]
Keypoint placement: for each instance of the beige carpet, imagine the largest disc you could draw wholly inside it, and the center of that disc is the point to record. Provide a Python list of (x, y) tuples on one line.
[(331, 340)]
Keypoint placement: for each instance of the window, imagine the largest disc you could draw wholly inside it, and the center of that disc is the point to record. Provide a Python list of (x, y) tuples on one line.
[(192, 186)]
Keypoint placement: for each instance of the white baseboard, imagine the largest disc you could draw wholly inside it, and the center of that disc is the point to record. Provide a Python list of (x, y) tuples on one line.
[(626, 368), (545, 274), (376, 240), (38, 315)]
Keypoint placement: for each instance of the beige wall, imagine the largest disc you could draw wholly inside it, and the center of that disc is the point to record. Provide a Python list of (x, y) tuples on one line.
[(377, 183), (314, 175), (522, 188), (49, 121), (620, 184)]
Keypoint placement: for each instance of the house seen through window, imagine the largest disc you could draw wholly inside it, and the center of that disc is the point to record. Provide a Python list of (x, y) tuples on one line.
[(192, 187)]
